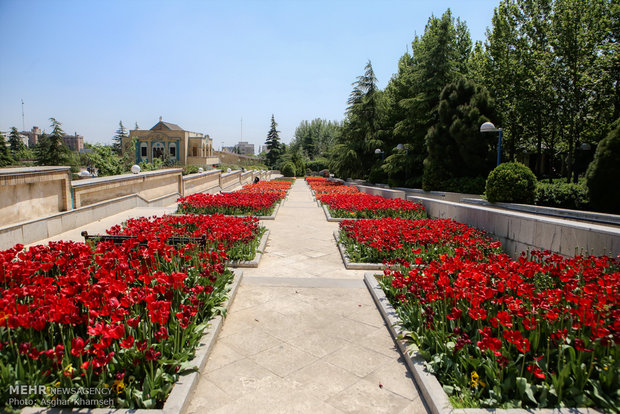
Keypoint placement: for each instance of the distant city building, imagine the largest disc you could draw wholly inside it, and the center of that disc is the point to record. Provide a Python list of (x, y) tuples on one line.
[(232, 149), (33, 136), (75, 142), (244, 148), (6, 134), (169, 141)]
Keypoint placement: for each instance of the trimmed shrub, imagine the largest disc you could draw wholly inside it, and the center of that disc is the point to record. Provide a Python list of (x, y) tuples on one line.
[(562, 195), (288, 169), (511, 182), (318, 164), (603, 172), (467, 185)]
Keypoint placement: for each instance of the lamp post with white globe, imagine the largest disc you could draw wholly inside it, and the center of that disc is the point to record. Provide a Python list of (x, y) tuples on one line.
[(489, 127)]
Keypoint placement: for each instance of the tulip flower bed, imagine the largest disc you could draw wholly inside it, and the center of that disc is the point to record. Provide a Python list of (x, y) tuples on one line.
[(363, 205), (415, 241), (234, 204), (539, 332), (121, 319), (238, 236), (273, 187)]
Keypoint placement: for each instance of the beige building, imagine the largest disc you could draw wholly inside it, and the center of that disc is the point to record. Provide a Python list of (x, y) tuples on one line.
[(171, 142)]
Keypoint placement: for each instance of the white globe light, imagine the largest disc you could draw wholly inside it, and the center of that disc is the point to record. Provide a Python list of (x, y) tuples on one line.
[(228, 170), (135, 169), (200, 170)]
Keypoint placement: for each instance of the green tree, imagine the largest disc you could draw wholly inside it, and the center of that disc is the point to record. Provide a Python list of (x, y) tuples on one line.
[(316, 137), (104, 158), (353, 156), (439, 56), (604, 191), (456, 148), (274, 147), (580, 31), (121, 133), (5, 154), (51, 149), (15, 142)]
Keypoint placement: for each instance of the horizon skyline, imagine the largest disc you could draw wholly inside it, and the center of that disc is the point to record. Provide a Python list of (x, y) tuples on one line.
[(212, 66)]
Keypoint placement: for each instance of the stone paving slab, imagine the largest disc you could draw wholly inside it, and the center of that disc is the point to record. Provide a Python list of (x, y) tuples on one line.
[(304, 335)]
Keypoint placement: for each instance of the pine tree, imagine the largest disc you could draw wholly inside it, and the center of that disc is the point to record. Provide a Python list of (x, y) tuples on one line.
[(121, 133), (354, 156), (51, 149), (274, 147), (5, 154), (16, 143), (456, 148)]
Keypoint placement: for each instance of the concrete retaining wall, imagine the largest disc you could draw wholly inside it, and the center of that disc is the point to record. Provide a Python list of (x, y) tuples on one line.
[(206, 182), (230, 181), (383, 192), (148, 185), (31, 192), (520, 231)]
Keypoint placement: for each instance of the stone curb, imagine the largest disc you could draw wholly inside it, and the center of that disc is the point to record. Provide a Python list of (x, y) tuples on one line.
[(273, 215), (180, 396), (353, 265), (432, 392), (259, 254), (333, 219)]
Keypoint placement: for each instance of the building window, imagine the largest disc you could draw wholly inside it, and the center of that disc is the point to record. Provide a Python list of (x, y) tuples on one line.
[(173, 151), (143, 150), (158, 151), (195, 151)]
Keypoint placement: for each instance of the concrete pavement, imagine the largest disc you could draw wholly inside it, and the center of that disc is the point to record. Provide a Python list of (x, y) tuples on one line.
[(303, 334)]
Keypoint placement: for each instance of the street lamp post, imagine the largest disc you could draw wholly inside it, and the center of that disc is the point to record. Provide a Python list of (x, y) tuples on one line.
[(489, 127), (380, 151)]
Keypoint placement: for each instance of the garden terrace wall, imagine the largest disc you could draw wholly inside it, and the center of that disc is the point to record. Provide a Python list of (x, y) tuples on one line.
[(231, 180), (246, 177), (32, 192), (149, 185), (206, 182), (519, 231), (383, 192)]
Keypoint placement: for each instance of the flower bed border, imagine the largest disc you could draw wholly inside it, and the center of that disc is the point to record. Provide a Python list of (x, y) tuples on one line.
[(334, 219), (354, 265), (257, 257), (432, 392), (183, 389)]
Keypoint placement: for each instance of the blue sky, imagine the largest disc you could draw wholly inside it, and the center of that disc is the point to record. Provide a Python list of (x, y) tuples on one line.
[(201, 64)]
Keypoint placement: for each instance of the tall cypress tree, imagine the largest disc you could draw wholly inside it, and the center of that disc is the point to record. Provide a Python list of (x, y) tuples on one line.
[(274, 147), (354, 154), (121, 133)]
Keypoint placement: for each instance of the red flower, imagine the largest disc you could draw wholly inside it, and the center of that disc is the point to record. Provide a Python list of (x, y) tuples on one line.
[(77, 346), (127, 342), (477, 313), (536, 371), (151, 355)]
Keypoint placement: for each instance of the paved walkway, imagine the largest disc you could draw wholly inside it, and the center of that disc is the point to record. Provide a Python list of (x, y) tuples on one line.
[(303, 334)]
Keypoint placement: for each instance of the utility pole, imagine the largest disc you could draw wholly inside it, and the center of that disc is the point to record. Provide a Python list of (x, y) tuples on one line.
[(23, 122)]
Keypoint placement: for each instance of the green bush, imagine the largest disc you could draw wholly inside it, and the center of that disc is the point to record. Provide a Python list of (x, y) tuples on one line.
[(603, 188), (467, 185), (318, 164), (288, 169), (562, 195), (511, 182), (190, 169)]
